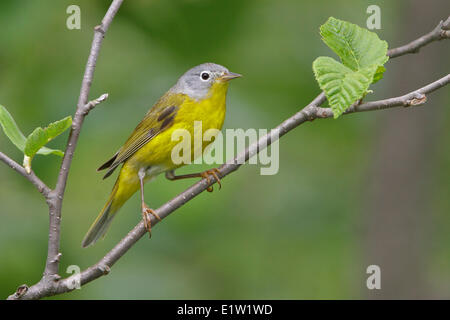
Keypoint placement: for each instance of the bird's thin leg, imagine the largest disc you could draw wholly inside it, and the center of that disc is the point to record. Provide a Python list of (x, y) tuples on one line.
[(146, 211), (205, 174)]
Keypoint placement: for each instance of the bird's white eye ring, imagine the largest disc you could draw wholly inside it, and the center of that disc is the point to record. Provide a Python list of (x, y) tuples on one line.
[(204, 75)]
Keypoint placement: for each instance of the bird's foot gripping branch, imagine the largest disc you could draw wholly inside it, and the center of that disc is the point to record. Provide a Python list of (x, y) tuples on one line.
[(344, 85)]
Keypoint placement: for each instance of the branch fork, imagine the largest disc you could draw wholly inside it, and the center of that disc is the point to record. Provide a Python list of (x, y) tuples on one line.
[(93, 103)]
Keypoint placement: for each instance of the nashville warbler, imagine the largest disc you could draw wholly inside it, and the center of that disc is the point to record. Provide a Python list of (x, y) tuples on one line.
[(198, 95)]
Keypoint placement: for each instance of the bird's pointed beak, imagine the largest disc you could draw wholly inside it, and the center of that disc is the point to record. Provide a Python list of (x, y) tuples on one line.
[(229, 76)]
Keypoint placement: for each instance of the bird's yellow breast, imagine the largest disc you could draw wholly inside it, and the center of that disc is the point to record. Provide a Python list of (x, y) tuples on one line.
[(210, 111)]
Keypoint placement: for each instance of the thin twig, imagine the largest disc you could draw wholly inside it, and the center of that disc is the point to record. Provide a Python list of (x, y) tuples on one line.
[(414, 98), (440, 32), (51, 268), (40, 186), (312, 111), (92, 104)]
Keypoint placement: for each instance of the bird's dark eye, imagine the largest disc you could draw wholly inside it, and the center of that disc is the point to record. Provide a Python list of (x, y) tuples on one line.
[(204, 75)]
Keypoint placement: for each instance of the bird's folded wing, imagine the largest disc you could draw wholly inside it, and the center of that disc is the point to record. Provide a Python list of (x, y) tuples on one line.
[(159, 118)]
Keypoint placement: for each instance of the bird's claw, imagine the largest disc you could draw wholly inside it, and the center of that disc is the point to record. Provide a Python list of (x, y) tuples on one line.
[(213, 172), (146, 212)]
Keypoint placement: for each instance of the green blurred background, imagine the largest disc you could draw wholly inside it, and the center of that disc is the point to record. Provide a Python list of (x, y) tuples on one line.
[(366, 189)]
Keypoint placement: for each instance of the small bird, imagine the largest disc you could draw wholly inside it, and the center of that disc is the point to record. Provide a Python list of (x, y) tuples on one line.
[(198, 95)]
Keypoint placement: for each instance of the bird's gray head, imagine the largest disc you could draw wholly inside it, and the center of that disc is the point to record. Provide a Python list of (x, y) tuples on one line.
[(197, 81)]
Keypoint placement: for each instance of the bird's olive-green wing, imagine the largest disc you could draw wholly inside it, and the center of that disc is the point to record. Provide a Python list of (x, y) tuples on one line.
[(158, 118)]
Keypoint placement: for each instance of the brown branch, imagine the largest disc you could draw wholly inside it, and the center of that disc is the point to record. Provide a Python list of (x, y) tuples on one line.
[(440, 32), (92, 104), (40, 186), (83, 107), (313, 111), (414, 98), (46, 286)]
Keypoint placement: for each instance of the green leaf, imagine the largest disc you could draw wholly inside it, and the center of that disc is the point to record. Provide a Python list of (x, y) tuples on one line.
[(341, 85), (357, 47), (40, 137), (35, 141), (16, 136), (46, 151), (362, 54), (11, 129), (54, 129), (379, 74)]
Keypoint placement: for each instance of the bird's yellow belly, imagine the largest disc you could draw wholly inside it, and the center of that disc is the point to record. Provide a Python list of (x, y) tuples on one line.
[(157, 153)]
